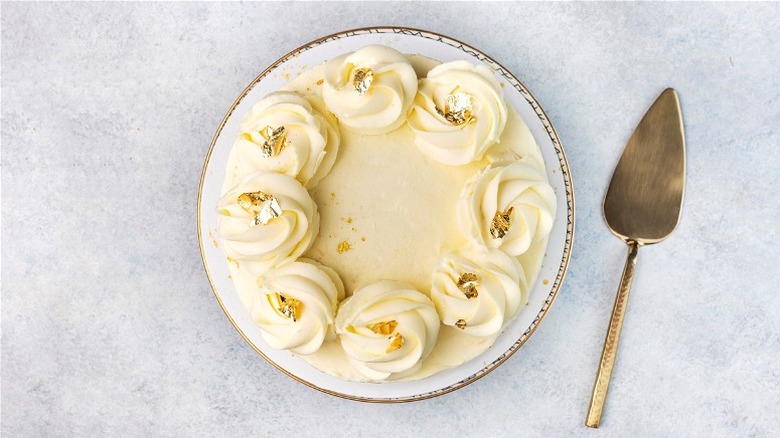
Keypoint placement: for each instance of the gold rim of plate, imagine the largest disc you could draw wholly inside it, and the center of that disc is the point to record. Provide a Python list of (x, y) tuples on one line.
[(564, 165)]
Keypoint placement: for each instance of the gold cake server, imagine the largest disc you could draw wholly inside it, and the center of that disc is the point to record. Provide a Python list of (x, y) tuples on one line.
[(642, 206)]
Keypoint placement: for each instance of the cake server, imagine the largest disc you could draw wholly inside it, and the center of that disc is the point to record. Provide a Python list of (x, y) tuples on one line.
[(642, 207)]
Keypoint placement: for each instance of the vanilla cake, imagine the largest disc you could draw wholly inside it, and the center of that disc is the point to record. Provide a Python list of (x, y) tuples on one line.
[(385, 215)]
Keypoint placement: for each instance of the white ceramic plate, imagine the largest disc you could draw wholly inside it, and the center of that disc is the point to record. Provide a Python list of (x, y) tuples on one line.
[(553, 267)]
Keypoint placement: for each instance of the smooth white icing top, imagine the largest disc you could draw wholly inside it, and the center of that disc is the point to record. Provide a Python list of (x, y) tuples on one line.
[(318, 289), (312, 140), (387, 302), (519, 185), (283, 239), (383, 106), (500, 290), (440, 139)]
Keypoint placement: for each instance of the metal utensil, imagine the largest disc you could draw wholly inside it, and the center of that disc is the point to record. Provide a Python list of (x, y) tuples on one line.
[(642, 207)]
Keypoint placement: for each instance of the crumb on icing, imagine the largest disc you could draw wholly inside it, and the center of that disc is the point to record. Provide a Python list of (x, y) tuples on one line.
[(344, 247)]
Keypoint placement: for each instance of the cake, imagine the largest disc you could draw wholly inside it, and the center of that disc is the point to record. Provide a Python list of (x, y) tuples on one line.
[(384, 215)]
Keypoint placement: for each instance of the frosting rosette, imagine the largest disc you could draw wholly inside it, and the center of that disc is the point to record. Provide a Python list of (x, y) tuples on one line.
[(508, 207), (267, 220), (478, 290), (459, 112), (370, 90), (387, 327), (297, 305), (284, 134)]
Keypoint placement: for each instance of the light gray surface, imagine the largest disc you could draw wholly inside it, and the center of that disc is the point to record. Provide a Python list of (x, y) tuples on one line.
[(109, 326)]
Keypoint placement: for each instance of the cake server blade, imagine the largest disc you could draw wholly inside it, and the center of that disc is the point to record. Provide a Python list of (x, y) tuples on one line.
[(642, 207)]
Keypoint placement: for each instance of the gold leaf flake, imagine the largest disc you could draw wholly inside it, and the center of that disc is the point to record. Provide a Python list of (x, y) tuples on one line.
[(264, 206), (252, 199), (383, 327), (268, 211), (501, 223), (290, 308), (467, 283), (344, 247), (275, 141), (461, 324), (362, 79), (457, 108), (396, 342)]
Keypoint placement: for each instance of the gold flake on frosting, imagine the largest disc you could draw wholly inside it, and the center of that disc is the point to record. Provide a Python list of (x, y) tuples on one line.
[(396, 342), (275, 140), (343, 247), (501, 223), (387, 328), (290, 308), (383, 327), (362, 79), (461, 324), (457, 108), (264, 206), (467, 283)]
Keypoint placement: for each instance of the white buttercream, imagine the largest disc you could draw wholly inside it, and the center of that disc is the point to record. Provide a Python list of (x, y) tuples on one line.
[(312, 139), (318, 289), (518, 185), (458, 144), (499, 292), (283, 239), (416, 322), (384, 105)]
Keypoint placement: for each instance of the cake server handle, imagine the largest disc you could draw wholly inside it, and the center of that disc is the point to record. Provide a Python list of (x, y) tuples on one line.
[(609, 353)]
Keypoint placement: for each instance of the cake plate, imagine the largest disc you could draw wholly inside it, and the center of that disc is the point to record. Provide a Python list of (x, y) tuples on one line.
[(542, 293)]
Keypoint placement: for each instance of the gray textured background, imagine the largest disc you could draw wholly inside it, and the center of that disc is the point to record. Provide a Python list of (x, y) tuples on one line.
[(109, 326)]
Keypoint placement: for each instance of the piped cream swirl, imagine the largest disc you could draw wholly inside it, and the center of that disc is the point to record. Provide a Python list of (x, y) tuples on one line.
[(282, 239), (297, 305), (386, 328), (458, 138), (309, 147), (370, 90), (513, 201), (478, 290)]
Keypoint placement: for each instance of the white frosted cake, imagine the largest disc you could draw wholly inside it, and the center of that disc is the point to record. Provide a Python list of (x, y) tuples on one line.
[(384, 216)]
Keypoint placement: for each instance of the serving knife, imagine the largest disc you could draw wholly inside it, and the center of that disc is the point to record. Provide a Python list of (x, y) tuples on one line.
[(642, 207)]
